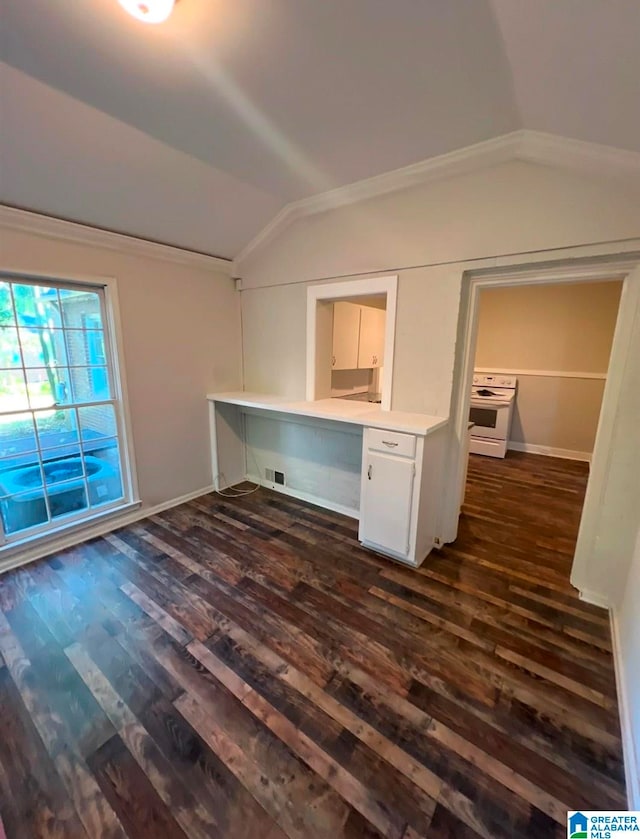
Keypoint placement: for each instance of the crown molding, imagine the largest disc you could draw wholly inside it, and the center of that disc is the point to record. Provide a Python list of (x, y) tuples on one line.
[(525, 145), (50, 227), (579, 155)]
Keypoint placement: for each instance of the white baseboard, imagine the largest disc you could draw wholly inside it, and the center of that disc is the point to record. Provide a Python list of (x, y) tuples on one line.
[(594, 598), (630, 748), (549, 451), (305, 496), (82, 533)]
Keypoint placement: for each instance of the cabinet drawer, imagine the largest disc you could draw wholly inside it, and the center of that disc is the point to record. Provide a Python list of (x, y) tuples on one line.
[(391, 442)]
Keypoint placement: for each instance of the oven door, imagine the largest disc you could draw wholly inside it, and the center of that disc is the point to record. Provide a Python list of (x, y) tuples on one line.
[(491, 419)]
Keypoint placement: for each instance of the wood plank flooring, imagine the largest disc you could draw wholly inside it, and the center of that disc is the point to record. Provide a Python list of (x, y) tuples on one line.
[(243, 668)]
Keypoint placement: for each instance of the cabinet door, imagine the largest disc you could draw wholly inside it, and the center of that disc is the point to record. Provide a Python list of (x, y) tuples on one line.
[(371, 345), (385, 506), (346, 333)]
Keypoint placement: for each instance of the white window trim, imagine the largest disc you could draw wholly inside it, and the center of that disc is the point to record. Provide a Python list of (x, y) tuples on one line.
[(113, 337), (353, 289)]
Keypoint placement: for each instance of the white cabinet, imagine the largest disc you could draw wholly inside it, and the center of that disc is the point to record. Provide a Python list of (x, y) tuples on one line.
[(346, 334), (386, 502), (400, 493), (371, 344), (358, 337)]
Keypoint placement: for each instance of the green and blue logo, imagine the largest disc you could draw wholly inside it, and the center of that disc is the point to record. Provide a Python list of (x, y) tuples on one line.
[(578, 826), (603, 824)]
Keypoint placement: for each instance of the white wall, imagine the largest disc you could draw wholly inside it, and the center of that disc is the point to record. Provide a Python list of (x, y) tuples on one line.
[(627, 624), (181, 334), (558, 330), (558, 414), (513, 208), (274, 339), (320, 461), (512, 214)]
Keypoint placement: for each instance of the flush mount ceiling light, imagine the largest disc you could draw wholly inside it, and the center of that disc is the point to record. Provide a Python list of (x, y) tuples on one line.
[(149, 11)]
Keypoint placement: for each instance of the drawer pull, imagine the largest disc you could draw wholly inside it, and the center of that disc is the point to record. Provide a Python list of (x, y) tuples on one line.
[(392, 442)]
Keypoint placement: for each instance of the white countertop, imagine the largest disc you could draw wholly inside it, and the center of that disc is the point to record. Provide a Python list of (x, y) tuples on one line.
[(341, 410)]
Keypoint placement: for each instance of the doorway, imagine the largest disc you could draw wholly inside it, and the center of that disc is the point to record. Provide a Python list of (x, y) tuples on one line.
[(588, 573), (541, 359)]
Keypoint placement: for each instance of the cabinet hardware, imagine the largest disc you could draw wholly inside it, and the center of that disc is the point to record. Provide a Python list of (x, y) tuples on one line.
[(333, 361), (390, 444), (369, 471)]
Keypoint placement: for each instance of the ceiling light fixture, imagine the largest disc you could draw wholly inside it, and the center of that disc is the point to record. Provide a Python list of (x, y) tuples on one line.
[(149, 11)]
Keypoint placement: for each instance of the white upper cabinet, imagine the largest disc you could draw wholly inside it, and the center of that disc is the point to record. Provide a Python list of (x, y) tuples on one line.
[(358, 337), (371, 344), (346, 334)]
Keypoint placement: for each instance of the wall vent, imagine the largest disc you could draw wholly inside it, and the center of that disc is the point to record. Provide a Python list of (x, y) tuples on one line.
[(279, 476)]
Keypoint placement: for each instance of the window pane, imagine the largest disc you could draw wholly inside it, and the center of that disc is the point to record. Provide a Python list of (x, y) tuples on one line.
[(66, 498), (24, 479), (17, 435), (81, 308), (97, 421), (6, 305), (13, 391), (90, 384), (60, 469), (37, 306), (9, 347), (17, 461), (57, 428), (22, 510), (43, 347), (48, 387), (85, 347), (103, 476)]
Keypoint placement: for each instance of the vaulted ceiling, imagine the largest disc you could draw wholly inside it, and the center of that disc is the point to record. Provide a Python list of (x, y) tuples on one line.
[(198, 131)]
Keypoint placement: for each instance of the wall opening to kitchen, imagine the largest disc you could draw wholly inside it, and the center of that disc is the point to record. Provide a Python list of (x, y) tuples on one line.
[(356, 359), (350, 340)]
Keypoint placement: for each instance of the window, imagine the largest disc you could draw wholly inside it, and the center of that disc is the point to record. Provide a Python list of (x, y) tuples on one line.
[(62, 453)]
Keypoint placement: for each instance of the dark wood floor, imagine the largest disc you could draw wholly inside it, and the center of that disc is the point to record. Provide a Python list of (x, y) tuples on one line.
[(242, 668)]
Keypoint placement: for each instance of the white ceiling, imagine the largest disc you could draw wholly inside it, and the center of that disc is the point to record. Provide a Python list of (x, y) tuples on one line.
[(198, 131)]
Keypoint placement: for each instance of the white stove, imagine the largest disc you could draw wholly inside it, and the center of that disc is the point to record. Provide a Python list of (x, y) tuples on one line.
[(491, 412)]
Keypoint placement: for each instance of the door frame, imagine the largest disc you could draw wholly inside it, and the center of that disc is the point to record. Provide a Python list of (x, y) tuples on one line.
[(616, 267)]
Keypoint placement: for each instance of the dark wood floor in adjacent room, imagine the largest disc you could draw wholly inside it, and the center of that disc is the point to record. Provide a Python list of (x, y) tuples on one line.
[(242, 668)]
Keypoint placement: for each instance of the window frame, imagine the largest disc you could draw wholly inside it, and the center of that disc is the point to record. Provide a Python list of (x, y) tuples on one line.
[(52, 530)]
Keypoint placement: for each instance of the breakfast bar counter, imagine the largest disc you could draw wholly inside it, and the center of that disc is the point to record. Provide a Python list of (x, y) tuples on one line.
[(384, 468)]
